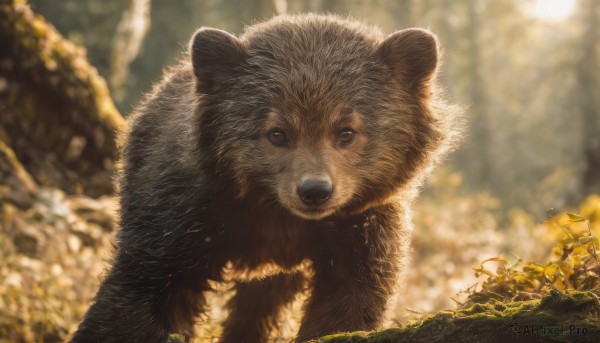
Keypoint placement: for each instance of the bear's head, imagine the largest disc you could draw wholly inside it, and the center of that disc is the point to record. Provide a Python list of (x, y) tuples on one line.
[(317, 114)]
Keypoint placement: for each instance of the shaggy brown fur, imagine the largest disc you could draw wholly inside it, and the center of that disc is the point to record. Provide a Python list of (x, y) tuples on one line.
[(285, 159)]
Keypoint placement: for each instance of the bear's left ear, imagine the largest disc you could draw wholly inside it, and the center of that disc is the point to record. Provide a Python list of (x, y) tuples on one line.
[(216, 56), (413, 56)]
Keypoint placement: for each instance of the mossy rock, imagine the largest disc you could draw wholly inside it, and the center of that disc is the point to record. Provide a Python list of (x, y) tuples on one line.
[(558, 317)]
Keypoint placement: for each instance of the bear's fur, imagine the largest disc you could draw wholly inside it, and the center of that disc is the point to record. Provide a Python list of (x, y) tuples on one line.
[(285, 160)]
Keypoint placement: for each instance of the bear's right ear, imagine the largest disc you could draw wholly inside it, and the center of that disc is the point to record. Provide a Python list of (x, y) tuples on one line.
[(216, 55)]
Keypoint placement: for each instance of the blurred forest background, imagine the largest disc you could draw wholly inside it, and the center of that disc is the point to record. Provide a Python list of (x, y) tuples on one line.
[(528, 72)]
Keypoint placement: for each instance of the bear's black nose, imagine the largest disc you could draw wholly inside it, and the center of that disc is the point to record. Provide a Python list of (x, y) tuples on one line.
[(315, 192)]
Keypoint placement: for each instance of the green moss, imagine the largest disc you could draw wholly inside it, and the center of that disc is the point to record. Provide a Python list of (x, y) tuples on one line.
[(554, 318), (176, 338), (575, 301)]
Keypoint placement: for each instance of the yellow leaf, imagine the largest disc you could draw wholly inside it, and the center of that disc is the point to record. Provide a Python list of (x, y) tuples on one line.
[(550, 271), (587, 239), (576, 218), (482, 271), (496, 259)]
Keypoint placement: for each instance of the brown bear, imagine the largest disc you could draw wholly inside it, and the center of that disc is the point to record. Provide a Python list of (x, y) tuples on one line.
[(284, 160)]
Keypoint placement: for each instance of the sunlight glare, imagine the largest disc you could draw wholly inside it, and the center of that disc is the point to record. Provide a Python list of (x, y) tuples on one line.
[(553, 9)]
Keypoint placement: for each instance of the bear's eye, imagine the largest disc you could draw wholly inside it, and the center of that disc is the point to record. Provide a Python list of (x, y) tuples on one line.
[(277, 137), (346, 137)]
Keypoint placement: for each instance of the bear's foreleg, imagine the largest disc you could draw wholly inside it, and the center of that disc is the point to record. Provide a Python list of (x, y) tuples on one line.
[(356, 272), (255, 308), (137, 306), (164, 259)]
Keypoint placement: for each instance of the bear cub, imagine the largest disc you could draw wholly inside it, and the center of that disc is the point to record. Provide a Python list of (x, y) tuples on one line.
[(284, 160)]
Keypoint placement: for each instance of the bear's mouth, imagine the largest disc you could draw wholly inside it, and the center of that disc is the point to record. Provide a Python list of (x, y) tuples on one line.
[(313, 213)]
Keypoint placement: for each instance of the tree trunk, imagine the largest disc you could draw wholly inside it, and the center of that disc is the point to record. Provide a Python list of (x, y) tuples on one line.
[(56, 112), (588, 95), (480, 127)]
